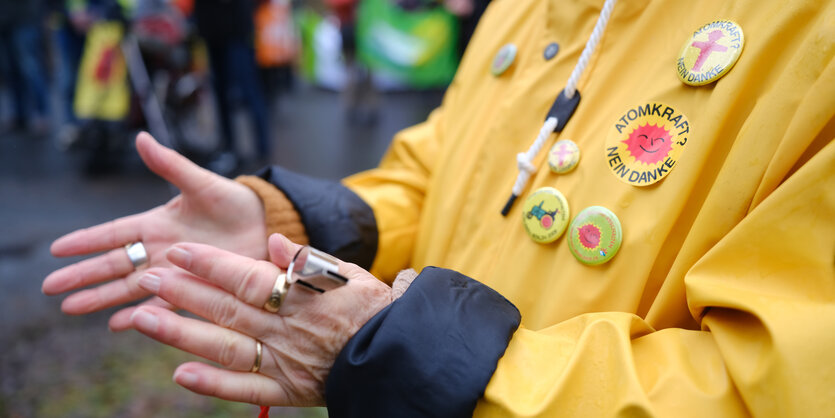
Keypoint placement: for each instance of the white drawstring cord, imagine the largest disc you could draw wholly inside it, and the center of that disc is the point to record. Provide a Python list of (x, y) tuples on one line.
[(591, 45), (524, 160)]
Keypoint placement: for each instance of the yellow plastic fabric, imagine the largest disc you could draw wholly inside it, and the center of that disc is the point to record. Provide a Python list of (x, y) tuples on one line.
[(721, 301)]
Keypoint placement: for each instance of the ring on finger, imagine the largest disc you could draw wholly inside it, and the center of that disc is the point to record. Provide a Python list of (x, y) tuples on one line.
[(137, 254), (257, 364), (278, 293)]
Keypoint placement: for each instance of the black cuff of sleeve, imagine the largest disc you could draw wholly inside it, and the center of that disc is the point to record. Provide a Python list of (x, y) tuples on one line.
[(431, 353), (336, 220)]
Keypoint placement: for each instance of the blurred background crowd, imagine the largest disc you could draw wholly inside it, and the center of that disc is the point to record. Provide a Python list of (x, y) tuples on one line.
[(182, 68), (318, 86)]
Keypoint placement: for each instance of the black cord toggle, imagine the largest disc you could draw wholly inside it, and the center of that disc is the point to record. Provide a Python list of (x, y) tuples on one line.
[(563, 108)]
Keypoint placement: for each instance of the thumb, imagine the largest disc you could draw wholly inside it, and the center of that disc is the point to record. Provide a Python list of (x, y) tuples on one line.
[(171, 166), (282, 250)]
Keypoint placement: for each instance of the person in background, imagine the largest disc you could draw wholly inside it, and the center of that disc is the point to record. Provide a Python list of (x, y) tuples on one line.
[(72, 19), (359, 95), (227, 27), (186, 7), (276, 47), (468, 13), (23, 63)]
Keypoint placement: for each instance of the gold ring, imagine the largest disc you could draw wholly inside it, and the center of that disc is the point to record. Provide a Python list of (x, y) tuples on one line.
[(257, 365), (278, 294)]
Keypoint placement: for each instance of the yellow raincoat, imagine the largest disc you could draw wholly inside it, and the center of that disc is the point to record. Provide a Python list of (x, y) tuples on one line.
[(721, 301)]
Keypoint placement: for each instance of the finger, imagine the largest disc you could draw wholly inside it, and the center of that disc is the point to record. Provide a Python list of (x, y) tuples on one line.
[(120, 321), (117, 292), (235, 386), (228, 348), (282, 250), (107, 236), (250, 280), (171, 166), (186, 291), (113, 264)]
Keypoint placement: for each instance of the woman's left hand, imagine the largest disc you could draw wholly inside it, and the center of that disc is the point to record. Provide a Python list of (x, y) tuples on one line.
[(300, 342)]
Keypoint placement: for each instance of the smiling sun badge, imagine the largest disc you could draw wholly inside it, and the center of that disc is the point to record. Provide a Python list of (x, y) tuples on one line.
[(645, 143)]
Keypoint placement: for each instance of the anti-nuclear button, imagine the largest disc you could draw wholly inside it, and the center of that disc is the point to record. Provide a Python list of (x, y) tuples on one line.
[(563, 156), (595, 235), (551, 51), (645, 144), (545, 215), (710, 52), (503, 59)]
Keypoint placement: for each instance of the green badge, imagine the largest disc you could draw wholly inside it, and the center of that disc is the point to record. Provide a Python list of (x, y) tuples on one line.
[(503, 59), (595, 235)]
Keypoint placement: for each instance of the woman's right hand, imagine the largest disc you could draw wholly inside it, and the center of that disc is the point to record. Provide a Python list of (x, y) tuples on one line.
[(210, 209), (299, 343)]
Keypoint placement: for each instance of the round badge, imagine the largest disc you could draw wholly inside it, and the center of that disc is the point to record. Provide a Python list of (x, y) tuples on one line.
[(563, 156), (503, 59), (551, 51), (645, 143), (545, 215), (710, 52), (595, 235)]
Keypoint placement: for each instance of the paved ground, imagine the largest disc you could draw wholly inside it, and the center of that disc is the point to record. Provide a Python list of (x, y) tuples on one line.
[(57, 366)]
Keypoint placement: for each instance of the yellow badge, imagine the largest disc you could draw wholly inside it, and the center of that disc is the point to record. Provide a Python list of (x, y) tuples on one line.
[(545, 215), (710, 53), (645, 143), (564, 156)]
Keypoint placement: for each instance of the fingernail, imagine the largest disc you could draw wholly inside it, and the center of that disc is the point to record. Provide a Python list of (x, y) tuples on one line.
[(179, 256), (145, 321), (185, 378), (150, 282)]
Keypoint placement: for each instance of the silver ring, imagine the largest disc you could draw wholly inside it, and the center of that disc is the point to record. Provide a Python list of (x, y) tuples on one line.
[(257, 365), (315, 270), (278, 293), (137, 254)]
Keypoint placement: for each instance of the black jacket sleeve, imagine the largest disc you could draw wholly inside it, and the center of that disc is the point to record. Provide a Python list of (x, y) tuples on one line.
[(431, 353), (337, 221)]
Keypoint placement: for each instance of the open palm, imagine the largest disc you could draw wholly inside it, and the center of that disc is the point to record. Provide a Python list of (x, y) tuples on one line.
[(210, 209)]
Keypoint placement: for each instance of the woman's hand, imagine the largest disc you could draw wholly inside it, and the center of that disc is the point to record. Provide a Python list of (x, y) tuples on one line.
[(300, 342), (210, 209)]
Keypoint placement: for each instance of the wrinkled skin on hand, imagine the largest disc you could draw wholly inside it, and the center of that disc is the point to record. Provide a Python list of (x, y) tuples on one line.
[(300, 342)]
